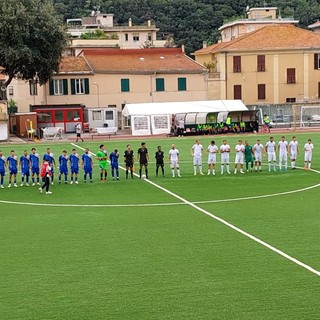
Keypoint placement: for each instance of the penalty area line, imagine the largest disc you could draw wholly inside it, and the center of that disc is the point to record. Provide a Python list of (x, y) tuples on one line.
[(230, 225)]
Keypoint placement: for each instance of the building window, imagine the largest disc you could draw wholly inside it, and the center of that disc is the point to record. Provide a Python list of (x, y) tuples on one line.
[(10, 89), (290, 100), (182, 84), (316, 61), (96, 115), (58, 115), (136, 37), (58, 87), (291, 75), (261, 63), (80, 86), (126, 37), (33, 87), (125, 85), (160, 84), (149, 36), (261, 91), (236, 64), (237, 92), (109, 115)]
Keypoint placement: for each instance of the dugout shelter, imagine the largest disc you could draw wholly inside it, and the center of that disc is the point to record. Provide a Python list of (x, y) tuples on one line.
[(159, 117)]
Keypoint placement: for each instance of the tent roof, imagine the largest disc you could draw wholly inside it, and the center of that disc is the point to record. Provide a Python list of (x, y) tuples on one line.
[(157, 108)]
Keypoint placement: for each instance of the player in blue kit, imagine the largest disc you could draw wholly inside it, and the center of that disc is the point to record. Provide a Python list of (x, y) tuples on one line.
[(2, 169), (48, 156), (87, 164), (74, 159), (24, 165), (63, 166), (35, 166), (114, 157), (12, 163)]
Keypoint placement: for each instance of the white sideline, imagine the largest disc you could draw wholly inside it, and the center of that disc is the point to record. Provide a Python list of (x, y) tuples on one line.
[(246, 234)]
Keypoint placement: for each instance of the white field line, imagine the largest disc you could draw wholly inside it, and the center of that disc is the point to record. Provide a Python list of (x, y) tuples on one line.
[(246, 234)]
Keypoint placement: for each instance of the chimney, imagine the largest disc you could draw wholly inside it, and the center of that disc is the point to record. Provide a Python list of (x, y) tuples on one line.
[(204, 44), (149, 23), (130, 22), (183, 48)]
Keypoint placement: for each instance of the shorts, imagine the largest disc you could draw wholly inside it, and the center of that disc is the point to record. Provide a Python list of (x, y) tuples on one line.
[(143, 163), (115, 166), (13, 171), (2, 173), (78, 135), (87, 170), (258, 157), (174, 164), (25, 173), (35, 170), (129, 164), (225, 159), (308, 156), (239, 158), (103, 166), (249, 159), (75, 170), (160, 163), (294, 155), (197, 161), (283, 157), (63, 170), (272, 156), (212, 159)]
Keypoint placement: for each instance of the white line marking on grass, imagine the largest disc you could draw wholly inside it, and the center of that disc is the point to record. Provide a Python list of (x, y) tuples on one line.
[(228, 224)]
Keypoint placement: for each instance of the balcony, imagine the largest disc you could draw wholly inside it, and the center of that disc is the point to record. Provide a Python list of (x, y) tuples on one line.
[(214, 75)]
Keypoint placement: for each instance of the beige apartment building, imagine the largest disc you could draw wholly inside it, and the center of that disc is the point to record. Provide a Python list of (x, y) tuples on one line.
[(101, 78), (274, 64)]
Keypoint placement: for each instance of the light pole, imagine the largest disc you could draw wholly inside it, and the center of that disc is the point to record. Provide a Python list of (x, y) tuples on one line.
[(98, 93)]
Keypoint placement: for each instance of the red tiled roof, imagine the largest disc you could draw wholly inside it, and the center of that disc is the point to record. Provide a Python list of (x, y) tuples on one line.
[(162, 60), (269, 38), (73, 65)]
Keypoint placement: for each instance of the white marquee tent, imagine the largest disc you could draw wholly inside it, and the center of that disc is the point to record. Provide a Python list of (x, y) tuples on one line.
[(155, 118)]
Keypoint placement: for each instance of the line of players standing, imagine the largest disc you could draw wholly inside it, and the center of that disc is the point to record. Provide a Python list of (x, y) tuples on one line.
[(244, 153)]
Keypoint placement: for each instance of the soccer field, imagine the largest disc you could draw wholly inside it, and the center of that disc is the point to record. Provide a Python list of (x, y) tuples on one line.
[(195, 247)]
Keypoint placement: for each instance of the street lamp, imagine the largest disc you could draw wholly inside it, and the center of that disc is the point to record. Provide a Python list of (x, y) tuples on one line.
[(98, 93)]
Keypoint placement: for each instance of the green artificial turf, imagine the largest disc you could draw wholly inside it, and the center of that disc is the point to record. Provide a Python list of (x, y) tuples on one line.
[(166, 261)]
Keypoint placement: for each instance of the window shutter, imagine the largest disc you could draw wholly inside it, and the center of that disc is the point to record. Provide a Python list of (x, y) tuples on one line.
[(86, 86), (261, 63), (73, 86), (125, 85), (316, 61), (318, 90), (237, 92), (51, 88), (261, 91), (65, 86), (237, 64), (182, 84), (160, 84), (291, 75)]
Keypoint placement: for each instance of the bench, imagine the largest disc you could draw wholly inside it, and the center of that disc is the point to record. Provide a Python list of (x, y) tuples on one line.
[(106, 131), (51, 133)]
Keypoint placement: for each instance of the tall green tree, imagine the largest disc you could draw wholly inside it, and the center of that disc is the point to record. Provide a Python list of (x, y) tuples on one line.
[(32, 39)]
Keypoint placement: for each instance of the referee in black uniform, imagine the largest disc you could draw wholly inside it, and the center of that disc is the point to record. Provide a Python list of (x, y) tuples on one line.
[(159, 160)]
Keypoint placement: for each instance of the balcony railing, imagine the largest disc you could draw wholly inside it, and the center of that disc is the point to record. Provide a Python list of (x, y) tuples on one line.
[(214, 75)]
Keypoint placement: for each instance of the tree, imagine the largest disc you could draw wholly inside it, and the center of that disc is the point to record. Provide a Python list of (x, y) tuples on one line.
[(32, 39)]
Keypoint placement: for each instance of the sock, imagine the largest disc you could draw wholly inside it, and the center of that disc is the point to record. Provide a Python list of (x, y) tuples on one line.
[(38, 179), (213, 171), (27, 179), (222, 168), (235, 170), (286, 165), (71, 178), (59, 178), (15, 181), (85, 177), (157, 170), (1, 181), (280, 166), (140, 173), (32, 179), (178, 171), (309, 165), (194, 169), (90, 176), (52, 178), (76, 178), (208, 171), (269, 166), (101, 175), (247, 165), (162, 169), (105, 175), (200, 168), (127, 174), (65, 178), (22, 179), (256, 168), (146, 173), (259, 167), (274, 166), (172, 172), (112, 172), (228, 169)]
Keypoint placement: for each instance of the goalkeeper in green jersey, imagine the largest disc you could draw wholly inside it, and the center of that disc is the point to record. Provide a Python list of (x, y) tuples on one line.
[(103, 163), (248, 154)]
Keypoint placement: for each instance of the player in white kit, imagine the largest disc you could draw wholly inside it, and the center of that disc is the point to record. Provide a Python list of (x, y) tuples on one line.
[(174, 160), (239, 149), (212, 157), (308, 148), (271, 152), (293, 151), (196, 151), (283, 153), (258, 150), (225, 156)]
